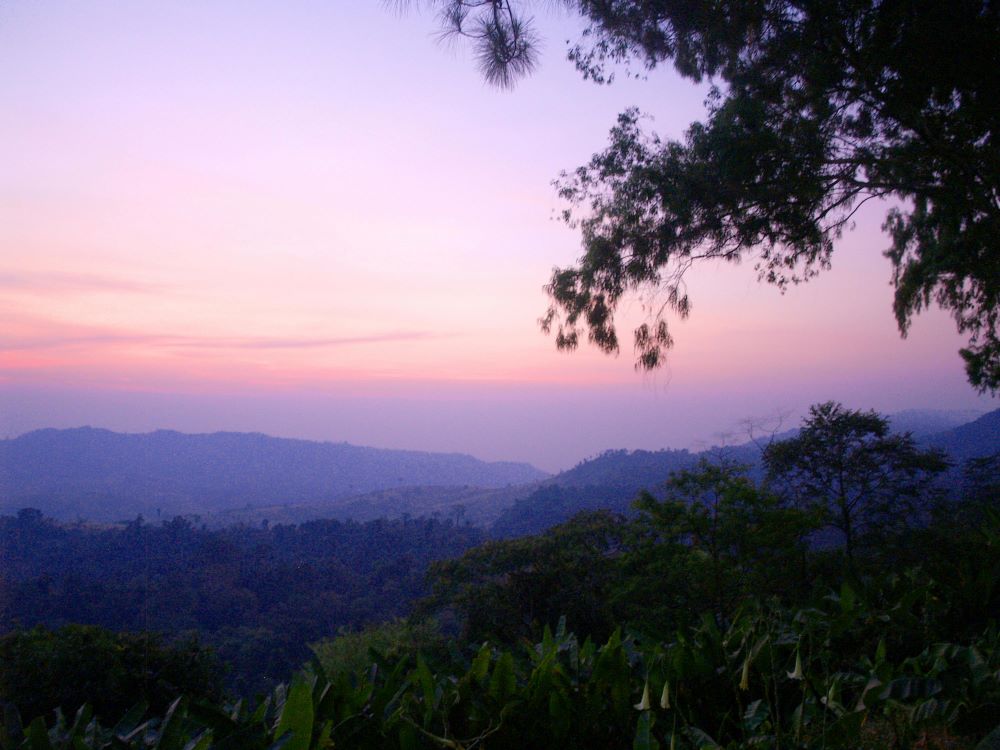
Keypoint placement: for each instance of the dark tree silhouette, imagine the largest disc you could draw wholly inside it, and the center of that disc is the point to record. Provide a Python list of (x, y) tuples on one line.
[(817, 107), (847, 465)]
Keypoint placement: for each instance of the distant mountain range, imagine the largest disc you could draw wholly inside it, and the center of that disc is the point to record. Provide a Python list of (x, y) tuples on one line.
[(613, 479), (980, 437), (101, 475), (228, 478)]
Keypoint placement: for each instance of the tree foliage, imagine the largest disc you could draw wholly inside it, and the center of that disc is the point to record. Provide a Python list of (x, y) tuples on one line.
[(42, 670), (257, 595), (509, 589), (504, 40), (816, 108), (862, 479), (826, 676), (714, 539)]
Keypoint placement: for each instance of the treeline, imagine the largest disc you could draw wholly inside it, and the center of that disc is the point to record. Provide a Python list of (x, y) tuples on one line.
[(844, 502), (258, 596), (611, 480)]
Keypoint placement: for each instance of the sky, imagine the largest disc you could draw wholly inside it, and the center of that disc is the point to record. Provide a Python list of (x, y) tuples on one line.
[(314, 219)]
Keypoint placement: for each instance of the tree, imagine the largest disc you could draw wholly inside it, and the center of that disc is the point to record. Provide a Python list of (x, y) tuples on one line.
[(714, 539), (509, 589), (42, 670), (817, 107), (848, 466)]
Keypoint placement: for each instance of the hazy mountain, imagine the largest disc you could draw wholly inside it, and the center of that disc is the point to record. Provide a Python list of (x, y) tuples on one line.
[(246, 478), (613, 479), (923, 422), (102, 475), (622, 468), (976, 439)]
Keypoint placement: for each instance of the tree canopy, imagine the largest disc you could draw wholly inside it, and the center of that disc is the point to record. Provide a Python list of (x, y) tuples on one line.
[(858, 475), (816, 107)]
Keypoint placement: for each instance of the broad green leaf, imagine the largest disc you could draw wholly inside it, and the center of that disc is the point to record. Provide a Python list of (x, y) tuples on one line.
[(323, 736), (481, 664), (127, 724), (82, 719), (847, 598), (37, 736), (644, 739), (700, 738), (560, 713), (170, 735), (503, 683), (426, 680), (755, 715), (297, 716), (201, 742)]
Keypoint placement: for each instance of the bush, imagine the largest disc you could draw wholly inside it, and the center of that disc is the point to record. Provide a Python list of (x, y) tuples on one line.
[(42, 670)]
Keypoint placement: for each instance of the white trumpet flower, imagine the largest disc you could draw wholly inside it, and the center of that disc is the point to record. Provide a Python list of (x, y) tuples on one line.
[(644, 704), (796, 674)]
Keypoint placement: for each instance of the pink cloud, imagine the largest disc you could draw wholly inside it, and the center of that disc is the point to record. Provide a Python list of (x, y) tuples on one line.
[(62, 282)]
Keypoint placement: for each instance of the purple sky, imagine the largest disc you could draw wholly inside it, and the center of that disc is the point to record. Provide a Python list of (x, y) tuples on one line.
[(310, 219)]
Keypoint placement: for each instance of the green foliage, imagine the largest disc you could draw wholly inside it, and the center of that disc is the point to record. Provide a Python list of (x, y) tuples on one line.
[(847, 466), (982, 481), (351, 652), (509, 589), (821, 106), (43, 670), (820, 677), (257, 595), (503, 39), (709, 619), (714, 539)]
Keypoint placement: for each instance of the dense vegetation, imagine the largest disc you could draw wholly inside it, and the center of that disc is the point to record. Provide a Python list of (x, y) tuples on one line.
[(726, 610), (47, 670), (612, 479), (257, 595)]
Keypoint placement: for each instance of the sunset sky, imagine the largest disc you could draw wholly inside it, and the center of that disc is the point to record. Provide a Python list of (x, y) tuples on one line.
[(312, 219)]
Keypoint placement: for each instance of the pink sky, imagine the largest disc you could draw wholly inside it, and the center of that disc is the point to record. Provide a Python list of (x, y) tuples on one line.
[(310, 219)]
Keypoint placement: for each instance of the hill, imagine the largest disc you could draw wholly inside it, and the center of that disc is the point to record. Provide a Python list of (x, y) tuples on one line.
[(612, 480), (924, 422), (229, 478), (101, 475), (476, 506), (976, 439)]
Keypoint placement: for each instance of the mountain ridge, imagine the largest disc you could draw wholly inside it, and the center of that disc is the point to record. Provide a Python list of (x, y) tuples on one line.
[(103, 475), (600, 483), (285, 480)]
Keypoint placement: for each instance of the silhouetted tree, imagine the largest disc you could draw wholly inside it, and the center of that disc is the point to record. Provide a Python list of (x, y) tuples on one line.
[(818, 107), (850, 467)]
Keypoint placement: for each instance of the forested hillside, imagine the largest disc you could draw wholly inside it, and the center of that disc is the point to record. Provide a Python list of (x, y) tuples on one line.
[(611, 480), (709, 617), (232, 478), (98, 475), (978, 438), (258, 596)]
